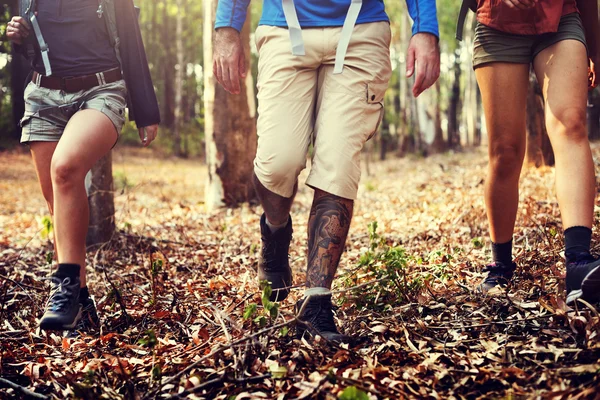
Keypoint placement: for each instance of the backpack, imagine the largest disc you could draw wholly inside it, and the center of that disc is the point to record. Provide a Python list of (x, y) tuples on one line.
[(35, 44), (462, 16)]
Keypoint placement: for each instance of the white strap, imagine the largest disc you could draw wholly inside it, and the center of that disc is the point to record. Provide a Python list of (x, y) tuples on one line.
[(346, 34), (43, 46), (291, 18)]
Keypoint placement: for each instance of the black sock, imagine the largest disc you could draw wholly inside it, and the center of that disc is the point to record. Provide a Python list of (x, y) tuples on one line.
[(502, 252), (67, 271), (84, 294), (578, 240)]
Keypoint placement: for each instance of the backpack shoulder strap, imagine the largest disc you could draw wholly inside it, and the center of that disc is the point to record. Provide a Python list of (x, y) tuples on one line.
[(107, 10), (462, 16)]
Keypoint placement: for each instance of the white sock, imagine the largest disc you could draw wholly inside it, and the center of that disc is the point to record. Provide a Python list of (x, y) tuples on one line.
[(274, 228), (316, 291)]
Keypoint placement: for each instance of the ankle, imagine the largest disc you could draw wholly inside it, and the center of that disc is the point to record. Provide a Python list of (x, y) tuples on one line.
[(68, 270), (502, 252), (317, 291), (274, 227)]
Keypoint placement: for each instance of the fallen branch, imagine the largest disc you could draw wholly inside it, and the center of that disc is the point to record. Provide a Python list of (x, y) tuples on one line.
[(227, 346), (21, 389)]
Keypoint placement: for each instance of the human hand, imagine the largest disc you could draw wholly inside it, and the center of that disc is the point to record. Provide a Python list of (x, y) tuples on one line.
[(520, 4), (229, 62), (424, 50), (17, 30), (148, 134)]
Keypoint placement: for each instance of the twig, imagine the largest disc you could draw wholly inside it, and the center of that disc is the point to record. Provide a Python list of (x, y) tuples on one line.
[(22, 285), (22, 389), (225, 347), (197, 388)]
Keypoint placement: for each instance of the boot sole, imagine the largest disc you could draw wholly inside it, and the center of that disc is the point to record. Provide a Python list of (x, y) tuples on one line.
[(590, 288), (51, 326)]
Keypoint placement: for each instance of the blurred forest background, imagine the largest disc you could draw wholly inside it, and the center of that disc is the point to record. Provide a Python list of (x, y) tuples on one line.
[(446, 117)]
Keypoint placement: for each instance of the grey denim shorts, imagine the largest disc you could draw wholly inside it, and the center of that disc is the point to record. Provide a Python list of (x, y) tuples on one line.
[(48, 111), (491, 45)]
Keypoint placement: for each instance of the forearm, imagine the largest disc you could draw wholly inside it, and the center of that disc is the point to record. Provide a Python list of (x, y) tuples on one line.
[(424, 16), (589, 15), (231, 13)]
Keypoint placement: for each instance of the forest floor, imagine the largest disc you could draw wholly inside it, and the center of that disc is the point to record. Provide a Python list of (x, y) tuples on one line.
[(182, 315)]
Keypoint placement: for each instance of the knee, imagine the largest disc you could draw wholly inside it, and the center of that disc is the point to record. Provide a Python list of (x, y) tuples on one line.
[(569, 124), (65, 173), (506, 159), (279, 171)]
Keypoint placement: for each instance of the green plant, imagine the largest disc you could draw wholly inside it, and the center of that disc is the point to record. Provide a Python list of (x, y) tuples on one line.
[(47, 227), (269, 312), (155, 269), (387, 266), (352, 393)]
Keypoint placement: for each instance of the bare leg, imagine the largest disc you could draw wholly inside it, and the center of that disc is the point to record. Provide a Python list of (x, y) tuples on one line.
[(88, 136), (504, 94), (562, 72), (277, 208), (328, 226), (41, 153)]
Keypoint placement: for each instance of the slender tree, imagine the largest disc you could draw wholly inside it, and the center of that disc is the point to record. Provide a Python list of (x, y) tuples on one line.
[(230, 127)]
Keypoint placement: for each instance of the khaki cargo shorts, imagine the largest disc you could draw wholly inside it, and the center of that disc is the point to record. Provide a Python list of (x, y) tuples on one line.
[(491, 45), (301, 101), (47, 111)]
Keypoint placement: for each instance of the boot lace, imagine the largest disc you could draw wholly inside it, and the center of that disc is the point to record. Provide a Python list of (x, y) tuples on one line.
[(60, 294)]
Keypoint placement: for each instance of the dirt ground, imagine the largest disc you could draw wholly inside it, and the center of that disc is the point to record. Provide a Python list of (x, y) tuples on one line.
[(182, 315)]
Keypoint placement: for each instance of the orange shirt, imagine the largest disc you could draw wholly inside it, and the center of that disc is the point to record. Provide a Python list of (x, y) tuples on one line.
[(544, 17)]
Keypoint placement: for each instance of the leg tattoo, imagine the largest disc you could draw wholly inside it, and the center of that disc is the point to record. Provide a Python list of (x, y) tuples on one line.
[(328, 226)]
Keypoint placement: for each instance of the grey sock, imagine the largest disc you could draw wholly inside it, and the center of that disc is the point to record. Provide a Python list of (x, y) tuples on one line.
[(316, 291), (274, 228)]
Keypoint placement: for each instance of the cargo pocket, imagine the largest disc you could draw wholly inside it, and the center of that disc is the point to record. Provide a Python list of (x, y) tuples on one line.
[(375, 96)]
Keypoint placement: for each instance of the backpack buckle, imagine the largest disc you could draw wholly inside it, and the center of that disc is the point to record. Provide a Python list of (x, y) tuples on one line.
[(100, 10)]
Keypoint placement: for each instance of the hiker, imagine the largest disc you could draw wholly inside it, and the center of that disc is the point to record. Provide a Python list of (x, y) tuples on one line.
[(510, 37), (74, 111), (323, 70)]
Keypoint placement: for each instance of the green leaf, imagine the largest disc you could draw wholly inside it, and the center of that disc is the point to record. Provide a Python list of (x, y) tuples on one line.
[(250, 311), (274, 310), (278, 371), (149, 339), (261, 320), (284, 331), (49, 257), (352, 393), (156, 372)]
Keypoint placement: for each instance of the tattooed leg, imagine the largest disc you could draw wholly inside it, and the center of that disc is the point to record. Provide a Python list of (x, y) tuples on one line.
[(277, 208), (328, 227)]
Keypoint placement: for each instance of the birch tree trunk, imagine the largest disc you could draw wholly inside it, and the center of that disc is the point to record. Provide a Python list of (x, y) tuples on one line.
[(230, 128), (99, 187)]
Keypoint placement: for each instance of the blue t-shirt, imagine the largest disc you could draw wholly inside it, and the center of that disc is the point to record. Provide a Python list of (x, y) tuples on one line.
[(319, 13)]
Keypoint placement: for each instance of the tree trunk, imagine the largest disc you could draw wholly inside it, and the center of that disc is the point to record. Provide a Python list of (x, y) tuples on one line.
[(454, 106), (439, 145), (539, 150), (230, 128), (99, 187), (178, 79)]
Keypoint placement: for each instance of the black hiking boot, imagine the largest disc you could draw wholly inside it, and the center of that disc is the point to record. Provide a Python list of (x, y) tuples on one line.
[(317, 319), (63, 310), (274, 265), (89, 322), (583, 279), (498, 274)]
